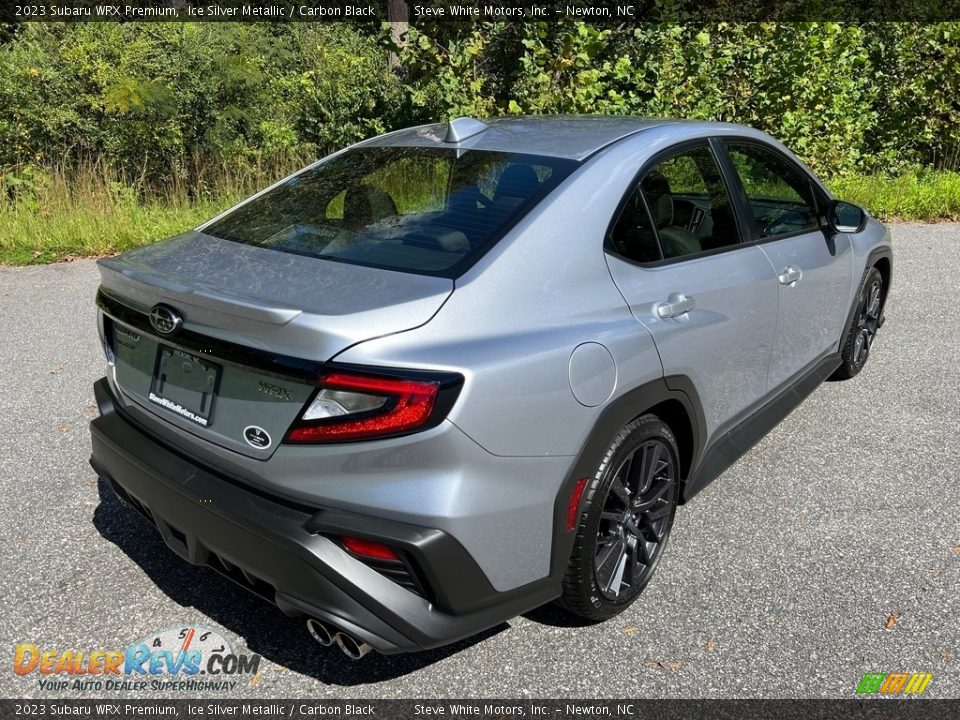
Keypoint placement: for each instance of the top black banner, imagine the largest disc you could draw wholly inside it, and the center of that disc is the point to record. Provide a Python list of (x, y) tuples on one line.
[(428, 11)]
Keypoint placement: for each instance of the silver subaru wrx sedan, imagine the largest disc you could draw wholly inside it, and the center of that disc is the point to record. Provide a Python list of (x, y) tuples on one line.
[(458, 371)]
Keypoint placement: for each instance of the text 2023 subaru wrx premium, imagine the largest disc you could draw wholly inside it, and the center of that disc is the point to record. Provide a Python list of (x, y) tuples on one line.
[(458, 371)]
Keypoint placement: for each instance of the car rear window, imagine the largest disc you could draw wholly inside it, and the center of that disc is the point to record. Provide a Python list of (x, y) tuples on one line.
[(422, 210)]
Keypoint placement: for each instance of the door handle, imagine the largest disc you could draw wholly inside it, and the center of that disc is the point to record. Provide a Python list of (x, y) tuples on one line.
[(789, 275), (675, 305)]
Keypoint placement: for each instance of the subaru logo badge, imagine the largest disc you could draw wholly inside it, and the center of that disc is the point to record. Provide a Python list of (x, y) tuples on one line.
[(164, 319)]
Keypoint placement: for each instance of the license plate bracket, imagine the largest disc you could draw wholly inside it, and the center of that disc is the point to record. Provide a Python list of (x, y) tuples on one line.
[(185, 384)]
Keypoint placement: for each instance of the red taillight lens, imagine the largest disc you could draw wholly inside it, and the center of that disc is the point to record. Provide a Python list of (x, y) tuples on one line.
[(354, 407), (369, 549)]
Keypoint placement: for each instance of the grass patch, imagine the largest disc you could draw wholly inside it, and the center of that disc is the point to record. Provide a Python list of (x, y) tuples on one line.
[(59, 217), (48, 235), (924, 195), (51, 215)]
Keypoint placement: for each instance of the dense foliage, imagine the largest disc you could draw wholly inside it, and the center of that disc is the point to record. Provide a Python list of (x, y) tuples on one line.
[(112, 136), (186, 104), (189, 103), (846, 97)]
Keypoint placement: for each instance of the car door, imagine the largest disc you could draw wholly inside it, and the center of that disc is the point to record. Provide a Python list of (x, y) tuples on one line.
[(709, 301), (813, 266)]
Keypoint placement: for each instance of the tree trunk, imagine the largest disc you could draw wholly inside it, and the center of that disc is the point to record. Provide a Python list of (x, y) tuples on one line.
[(398, 15)]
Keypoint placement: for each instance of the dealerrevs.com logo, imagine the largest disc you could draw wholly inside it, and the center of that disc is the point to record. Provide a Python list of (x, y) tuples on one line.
[(186, 658), (896, 683)]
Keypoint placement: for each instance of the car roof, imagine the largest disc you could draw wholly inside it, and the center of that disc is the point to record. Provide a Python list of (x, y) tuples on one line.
[(566, 136)]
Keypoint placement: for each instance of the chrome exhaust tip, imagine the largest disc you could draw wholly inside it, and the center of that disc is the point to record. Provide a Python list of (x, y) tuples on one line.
[(352, 648), (326, 635), (322, 633)]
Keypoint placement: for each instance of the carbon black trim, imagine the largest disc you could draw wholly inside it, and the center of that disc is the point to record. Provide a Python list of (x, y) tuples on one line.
[(875, 255), (615, 415), (750, 426), (275, 549)]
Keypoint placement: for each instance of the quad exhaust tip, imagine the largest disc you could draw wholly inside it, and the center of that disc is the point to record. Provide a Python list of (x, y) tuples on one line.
[(321, 632), (351, 647), (327, 635)]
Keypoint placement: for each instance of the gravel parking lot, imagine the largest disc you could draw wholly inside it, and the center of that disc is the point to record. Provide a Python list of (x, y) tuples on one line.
[(832, 549)]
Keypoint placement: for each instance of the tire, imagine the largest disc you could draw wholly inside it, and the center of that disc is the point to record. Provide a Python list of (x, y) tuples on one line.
[(863, 327), (619, 543)]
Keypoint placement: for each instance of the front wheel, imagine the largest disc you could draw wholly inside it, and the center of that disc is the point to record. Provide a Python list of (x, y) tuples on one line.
[(627, 516), (863, 328)]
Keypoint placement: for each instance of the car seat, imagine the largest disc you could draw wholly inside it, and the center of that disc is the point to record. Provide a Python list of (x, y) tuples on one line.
[(674, 240)]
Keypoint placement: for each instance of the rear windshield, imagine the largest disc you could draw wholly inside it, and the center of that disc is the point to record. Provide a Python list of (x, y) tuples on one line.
[(413, 209)]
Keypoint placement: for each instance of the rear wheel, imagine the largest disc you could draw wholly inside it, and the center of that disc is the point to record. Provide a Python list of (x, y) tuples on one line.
[(627, 516), (863, 328)]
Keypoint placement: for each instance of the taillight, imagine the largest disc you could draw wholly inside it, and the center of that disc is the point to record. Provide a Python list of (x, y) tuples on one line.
[(352, 406)]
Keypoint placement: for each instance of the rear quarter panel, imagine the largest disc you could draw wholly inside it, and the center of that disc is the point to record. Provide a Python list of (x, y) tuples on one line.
[(515, 318)]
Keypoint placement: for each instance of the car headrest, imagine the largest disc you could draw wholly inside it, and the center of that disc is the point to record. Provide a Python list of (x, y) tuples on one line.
[(657, 189), (366, 204), (466, 199), (516, 181)]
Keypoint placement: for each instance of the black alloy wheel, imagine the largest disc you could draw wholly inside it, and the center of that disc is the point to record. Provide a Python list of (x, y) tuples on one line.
[(867, 320), (625, 521), (635, 519), (868, 323)]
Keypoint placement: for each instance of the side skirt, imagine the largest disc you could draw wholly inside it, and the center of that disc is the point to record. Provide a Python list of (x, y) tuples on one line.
[(755, 423)]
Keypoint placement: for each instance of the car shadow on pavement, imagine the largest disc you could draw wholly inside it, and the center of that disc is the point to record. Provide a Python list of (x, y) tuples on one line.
[(555, 616), (267, 631)]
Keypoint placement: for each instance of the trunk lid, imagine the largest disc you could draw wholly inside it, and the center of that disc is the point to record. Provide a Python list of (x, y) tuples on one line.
[(273, 302)]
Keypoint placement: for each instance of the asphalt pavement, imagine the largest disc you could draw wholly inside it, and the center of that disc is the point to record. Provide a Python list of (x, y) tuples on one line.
[(830, 550)]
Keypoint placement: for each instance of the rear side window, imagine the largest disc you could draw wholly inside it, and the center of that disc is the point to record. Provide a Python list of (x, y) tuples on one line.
[(780, 196), (680, 207), (422, 210), (633, 235)]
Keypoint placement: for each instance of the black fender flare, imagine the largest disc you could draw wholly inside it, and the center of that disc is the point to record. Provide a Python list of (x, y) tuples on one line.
[(882, 252), (614, 416)]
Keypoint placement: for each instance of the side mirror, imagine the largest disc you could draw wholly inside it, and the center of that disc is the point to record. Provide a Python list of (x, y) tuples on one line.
[(846, 217)]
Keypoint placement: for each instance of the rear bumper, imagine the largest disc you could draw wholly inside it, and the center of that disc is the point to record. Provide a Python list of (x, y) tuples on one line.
[(286, 552)]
